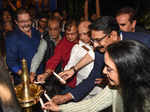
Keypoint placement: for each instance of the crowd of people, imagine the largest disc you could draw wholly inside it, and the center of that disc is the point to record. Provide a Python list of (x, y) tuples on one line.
[(84, 52)]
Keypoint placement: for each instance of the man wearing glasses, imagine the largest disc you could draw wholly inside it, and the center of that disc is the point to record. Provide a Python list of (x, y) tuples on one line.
[(78, 52), (22, 43), (104, 31), (62, 52)]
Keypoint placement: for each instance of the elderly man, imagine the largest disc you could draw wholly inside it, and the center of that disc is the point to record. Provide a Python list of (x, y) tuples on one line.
[(46, 47), (104, 31), (62, 52), (126, 83), (78, 52)]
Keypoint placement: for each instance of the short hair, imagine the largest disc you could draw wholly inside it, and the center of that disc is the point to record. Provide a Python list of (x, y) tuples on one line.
[(70, 23), (127, 10), (132, 60), (106, 24), (85, 23), (53, 18), (21, 11)]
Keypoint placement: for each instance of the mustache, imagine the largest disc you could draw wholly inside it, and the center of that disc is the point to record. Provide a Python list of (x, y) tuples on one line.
[(98, 47)]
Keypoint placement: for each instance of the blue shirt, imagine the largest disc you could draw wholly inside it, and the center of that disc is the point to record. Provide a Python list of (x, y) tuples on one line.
[(88, 84), (19, 46)]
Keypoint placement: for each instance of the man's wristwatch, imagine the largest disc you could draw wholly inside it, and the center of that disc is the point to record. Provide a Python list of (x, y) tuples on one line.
[(74, 69)]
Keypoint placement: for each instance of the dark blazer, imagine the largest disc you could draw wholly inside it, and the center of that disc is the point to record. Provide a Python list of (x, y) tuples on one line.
[(88, 84), (139, 36)]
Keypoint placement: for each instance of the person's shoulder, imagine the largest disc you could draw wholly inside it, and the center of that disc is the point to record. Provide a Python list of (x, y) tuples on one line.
[(12, 35), (35, 31), (76, 46), (62, 41), (43, 41), (135, 35), (138, 36)]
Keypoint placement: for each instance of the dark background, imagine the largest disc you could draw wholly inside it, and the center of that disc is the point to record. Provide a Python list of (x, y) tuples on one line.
[(108, 7), (75, 8)]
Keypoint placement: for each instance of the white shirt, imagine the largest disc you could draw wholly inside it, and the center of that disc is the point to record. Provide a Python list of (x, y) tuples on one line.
[(77, 53), (101, 101), (38, 57)]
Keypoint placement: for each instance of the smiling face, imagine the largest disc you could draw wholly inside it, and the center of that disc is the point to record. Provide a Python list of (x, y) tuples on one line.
[(110, 71), (24, 22)]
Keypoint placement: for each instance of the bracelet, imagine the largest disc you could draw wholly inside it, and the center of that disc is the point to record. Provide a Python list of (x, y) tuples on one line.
[(75, 71)]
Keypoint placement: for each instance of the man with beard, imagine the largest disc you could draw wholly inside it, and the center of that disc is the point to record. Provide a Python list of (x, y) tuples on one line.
[(104, 31), (22, 43), (127, 69)]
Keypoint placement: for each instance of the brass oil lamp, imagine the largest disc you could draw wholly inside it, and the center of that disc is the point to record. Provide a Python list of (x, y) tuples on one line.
[(27, 94)]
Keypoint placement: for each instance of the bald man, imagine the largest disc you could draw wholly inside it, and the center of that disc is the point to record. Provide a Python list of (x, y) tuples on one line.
[(78, 52)]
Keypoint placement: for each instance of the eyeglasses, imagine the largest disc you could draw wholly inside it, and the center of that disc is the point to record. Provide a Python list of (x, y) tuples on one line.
[(99, 39), (25, 21)]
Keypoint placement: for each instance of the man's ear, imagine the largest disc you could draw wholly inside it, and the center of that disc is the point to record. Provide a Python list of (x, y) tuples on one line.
[(133, 25)]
